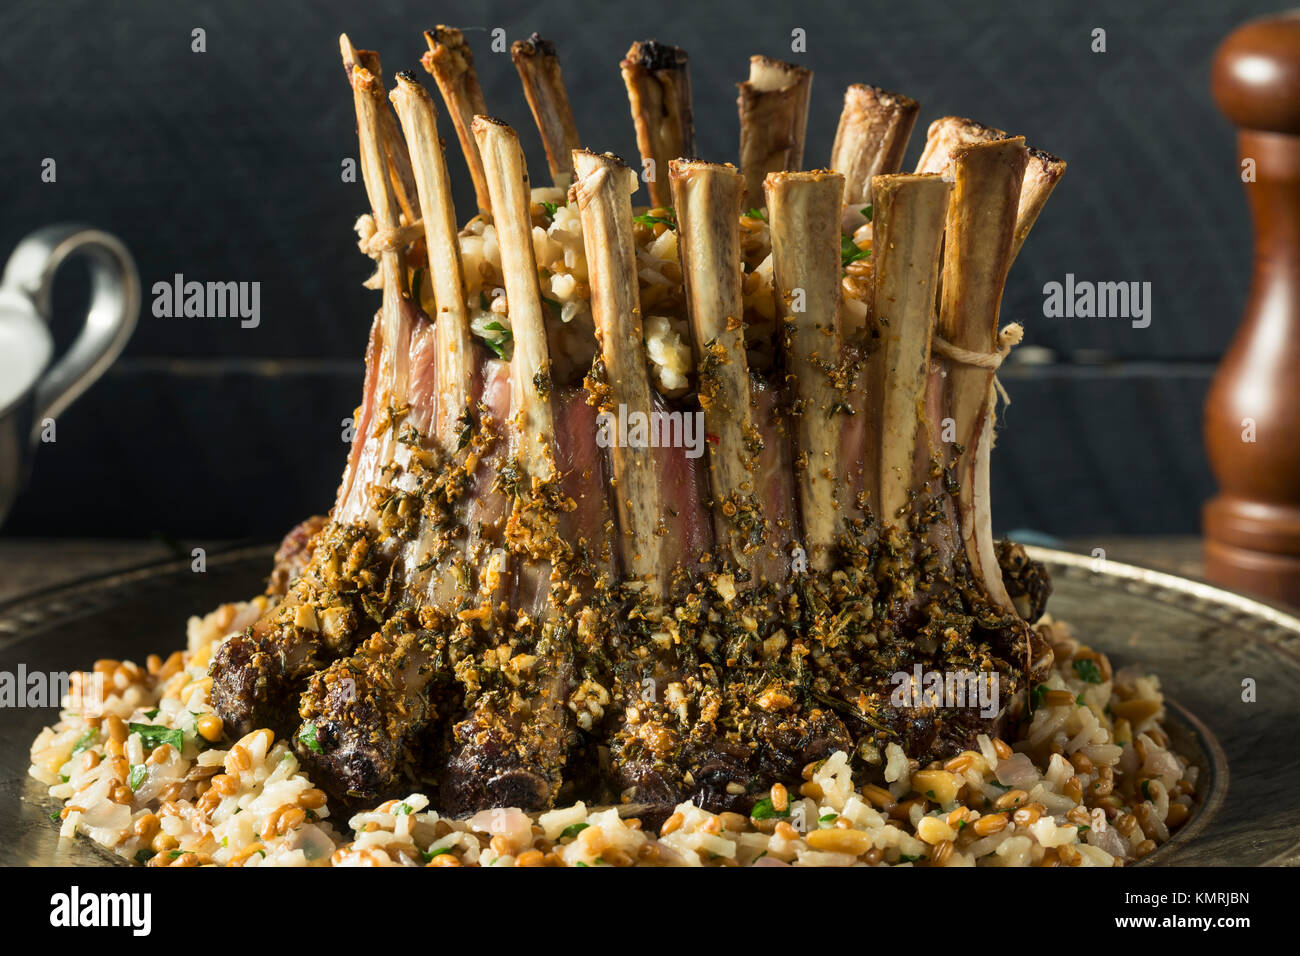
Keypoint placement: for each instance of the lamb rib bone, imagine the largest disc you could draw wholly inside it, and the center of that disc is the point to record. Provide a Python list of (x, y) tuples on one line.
[(437, 555), (451, 64), (659, 90), (708, 199), (804, 210), (456, 369), (399, 165), (503, 164), (395, 324), (1043, 172), (773, 106), (977, 254), (603, 188), (539, 71), (871, 138), (910, 211)]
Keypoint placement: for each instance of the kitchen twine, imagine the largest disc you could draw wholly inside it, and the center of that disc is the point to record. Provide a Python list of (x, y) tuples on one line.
[(374, 241), (1008, 339)]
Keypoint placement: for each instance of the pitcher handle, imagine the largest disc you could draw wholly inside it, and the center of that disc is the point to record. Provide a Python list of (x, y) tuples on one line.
[(110, 319)]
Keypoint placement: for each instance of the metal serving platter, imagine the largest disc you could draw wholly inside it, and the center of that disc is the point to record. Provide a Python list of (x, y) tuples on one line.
[(1202, 641)]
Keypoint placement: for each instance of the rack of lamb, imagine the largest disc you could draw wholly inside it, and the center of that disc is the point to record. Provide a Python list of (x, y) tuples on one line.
[(653, 504)]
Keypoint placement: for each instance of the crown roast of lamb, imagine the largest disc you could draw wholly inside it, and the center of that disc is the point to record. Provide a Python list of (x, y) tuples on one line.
[(647, 504)]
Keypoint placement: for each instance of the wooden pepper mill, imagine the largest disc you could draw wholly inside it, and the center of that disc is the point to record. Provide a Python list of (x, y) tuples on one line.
[(1252, 412)]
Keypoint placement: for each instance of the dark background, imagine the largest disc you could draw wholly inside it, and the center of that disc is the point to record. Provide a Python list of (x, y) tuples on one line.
[(225, 165)]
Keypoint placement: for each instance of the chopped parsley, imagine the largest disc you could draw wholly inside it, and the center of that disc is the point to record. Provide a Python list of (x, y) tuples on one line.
[(763, 810), (426, 857), (550, 208), (56, 817), (1079, 700), (574, 830), (144, 856), (466, 432), (1146, 789), (151, 714), (1037, 696), (403, 810), (554, 306), (646, 219), (308, 737), (1082, 827), (827, 819), (1088, 671), (85, 740), (849, 251), (757, 214), (867, 211), (498, 344), (155, 735), (905, 858), (136, 777)]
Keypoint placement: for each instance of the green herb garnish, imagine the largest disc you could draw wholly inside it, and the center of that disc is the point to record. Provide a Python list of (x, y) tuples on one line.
[(574, 830), (763, 810), (645, 219), (308, 737), (1088, 671), (757, 214), (151, 714), (136, 777), (867, 212), (849, 251), (144, 856), (426, 857), (1037, 696), (499, 344), (1146, 789), (155, 735), (84, 741), (904, 858), (550, 208)]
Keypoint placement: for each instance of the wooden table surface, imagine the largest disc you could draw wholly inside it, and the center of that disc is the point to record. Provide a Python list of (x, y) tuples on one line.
[(28, 564)]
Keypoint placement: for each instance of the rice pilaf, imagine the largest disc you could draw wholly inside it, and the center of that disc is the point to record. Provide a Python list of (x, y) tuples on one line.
[(1090, 781)]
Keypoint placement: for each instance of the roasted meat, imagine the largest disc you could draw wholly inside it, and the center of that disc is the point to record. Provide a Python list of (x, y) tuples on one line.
[(735, 530)]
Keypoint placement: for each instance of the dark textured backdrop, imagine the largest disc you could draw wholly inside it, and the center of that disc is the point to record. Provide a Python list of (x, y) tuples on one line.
[(225, 165)]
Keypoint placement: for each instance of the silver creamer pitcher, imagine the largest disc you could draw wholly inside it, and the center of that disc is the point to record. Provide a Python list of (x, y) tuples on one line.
[(32, 392)]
